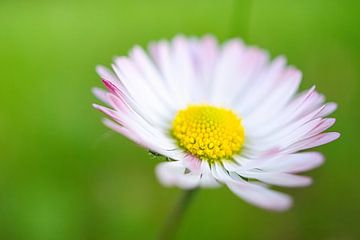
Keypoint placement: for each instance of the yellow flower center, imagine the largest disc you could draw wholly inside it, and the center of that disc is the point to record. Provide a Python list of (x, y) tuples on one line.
[(208, 132)]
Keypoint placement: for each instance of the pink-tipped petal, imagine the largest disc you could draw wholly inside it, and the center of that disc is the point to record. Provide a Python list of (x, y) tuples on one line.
[(315, 141), (109, 112), (111, 87)]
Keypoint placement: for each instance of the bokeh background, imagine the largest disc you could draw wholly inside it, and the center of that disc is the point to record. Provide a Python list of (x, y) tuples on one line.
[(63, 175)]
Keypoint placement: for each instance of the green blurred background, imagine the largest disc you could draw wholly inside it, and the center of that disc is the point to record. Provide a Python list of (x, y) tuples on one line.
[(63, 175)]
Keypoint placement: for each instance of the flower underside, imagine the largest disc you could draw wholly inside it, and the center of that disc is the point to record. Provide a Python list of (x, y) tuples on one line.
[(208, 132)]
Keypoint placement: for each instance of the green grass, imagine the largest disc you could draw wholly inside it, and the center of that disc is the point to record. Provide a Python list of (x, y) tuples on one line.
[(65, 176)]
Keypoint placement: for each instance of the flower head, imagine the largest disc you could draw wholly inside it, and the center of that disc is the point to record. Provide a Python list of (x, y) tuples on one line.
[(222, 114)]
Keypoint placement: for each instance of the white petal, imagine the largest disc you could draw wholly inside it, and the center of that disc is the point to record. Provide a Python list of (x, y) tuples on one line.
[(299, 105), (207, 178), (262, 87), (291, 134), (144, 142), (277, 178), (152, 76), (164, 60), (236, 69), (140, 128), (140, 89), (260, 196), (174, 174), (206, 53), (255, 147), (293, 163), (226, 68), (252, 192), (231, 166), (184, 68), (281, 94)]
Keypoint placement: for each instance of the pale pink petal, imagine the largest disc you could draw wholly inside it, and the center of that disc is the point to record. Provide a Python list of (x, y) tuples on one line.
[(111, 113), (131, 105), (141, 128), (192, 163), (327, 110), (315, 141), (100, 94), (127, 133), (144, 142), (255, 146)]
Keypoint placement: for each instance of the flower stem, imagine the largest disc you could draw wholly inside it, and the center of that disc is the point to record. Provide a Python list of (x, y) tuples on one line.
[(173, 220), (240, 21)]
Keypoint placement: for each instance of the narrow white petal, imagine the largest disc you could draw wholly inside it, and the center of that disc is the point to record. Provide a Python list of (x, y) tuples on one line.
[(293, 163), (236, 69), (315, 141), (277, 178), (207, 179), (164, 60), (152, 76), (282, 93), (262, 88), (252, 192)]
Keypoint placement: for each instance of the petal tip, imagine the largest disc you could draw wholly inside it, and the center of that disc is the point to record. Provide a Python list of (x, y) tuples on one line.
[(334, 135)]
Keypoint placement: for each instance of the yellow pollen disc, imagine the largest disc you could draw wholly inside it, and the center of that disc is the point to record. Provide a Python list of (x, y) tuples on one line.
[(208, 132)]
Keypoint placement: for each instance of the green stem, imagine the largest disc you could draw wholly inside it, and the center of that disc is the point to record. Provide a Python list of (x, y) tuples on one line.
[(240, 22), (173, 221)]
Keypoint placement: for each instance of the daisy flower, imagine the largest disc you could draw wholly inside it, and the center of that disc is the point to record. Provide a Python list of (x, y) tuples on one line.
[(221, 114)]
